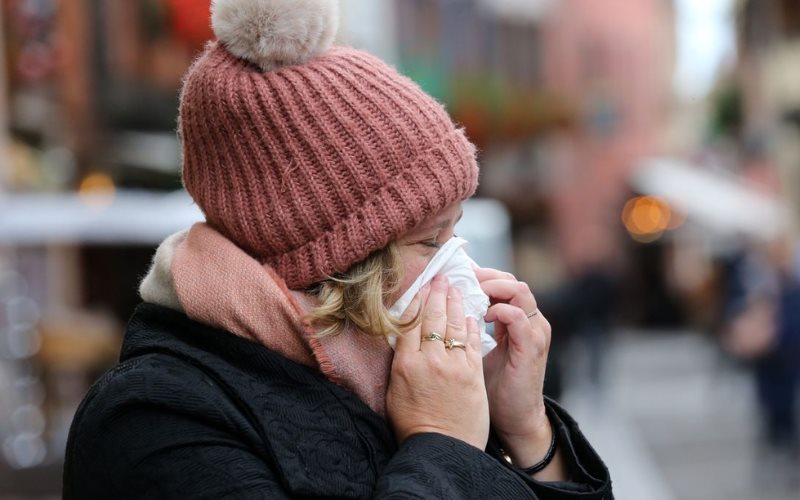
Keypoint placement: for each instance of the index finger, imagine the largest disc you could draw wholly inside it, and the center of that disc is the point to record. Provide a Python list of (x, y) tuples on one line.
[(410, 341), (487, 273)]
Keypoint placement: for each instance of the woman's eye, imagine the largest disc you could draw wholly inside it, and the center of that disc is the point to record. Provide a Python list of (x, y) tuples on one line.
[(432, 244)]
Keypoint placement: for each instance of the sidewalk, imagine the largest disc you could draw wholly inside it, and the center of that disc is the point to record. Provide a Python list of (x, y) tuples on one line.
[(674, 423)]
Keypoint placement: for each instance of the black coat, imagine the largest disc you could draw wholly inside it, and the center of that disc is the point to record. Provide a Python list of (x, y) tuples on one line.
[(195, 412)]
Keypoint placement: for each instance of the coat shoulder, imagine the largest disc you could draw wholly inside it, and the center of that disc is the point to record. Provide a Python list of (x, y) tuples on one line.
[(155, 378), (176, 391)]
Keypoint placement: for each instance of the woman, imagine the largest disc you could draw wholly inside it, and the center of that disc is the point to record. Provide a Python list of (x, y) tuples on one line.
[(258, 365)]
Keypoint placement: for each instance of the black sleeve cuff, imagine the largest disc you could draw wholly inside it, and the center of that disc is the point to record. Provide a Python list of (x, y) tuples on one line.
[(433, 465), (588, 476)]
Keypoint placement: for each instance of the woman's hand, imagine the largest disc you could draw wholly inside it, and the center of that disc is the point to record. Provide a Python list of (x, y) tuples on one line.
[(515, 369), (432, 388)]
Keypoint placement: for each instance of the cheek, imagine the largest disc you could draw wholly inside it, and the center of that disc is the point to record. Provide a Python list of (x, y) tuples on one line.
[(410, 273), (413, 265)]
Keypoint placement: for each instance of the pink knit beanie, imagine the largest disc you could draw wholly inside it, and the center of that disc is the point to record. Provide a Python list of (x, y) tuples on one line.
[(310, 157)]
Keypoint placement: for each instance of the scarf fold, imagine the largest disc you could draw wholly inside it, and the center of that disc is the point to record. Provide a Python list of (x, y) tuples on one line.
[(211, 280)]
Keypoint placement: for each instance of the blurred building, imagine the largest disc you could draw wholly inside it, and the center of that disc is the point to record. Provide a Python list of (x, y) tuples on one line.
[(768, 77), (615, 61), (563, 97), (88, 104)]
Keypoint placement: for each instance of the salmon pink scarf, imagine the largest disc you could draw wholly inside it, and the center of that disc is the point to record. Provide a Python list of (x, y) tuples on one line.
[(216, 283)]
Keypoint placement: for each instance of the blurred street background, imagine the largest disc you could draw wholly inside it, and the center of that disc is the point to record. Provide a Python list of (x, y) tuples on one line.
[(640, 169)]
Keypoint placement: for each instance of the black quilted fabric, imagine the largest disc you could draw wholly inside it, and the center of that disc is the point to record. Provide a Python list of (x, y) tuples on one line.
[(195, 412)]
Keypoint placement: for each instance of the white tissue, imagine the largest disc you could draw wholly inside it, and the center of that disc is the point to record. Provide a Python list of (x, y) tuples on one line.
[(452, 261)]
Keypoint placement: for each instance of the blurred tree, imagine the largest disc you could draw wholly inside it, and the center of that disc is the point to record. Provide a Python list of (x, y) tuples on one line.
[(726, 115)]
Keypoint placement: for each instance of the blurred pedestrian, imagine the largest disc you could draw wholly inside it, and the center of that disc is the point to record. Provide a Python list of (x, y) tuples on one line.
[(763, 330), (778, 368), (260, 364), (593, 300)]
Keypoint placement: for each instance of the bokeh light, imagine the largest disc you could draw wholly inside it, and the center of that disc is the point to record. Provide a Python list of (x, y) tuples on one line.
[(647, 217), (97, 190)]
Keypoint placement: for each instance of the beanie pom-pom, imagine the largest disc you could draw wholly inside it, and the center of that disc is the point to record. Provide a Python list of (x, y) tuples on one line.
[(275, 33)]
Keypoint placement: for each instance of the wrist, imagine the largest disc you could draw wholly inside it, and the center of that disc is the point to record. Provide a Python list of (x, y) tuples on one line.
[(530, 447)]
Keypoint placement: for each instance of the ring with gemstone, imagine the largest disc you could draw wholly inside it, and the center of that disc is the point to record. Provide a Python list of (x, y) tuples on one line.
[(432, 337), (451, 344)]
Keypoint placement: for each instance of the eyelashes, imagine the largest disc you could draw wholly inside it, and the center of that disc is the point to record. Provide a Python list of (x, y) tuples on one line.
[(431, 244)]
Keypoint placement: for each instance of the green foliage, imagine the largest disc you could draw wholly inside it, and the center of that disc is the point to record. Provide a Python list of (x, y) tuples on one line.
[(726, 114)]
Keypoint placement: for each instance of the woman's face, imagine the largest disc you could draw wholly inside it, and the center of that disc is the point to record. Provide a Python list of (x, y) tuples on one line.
[(418, 246)]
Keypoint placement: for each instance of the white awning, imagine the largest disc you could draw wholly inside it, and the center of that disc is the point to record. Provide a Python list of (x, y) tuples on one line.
[(130, 217), (147, 217), (715, 200)]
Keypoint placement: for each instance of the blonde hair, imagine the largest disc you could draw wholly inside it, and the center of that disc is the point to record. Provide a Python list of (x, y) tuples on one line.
[(358, 297)]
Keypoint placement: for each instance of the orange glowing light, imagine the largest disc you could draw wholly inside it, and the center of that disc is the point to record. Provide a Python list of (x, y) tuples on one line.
[(97, 190), (646, 218)]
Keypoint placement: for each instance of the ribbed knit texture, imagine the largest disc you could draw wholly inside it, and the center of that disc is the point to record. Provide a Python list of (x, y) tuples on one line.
[(310, 168)]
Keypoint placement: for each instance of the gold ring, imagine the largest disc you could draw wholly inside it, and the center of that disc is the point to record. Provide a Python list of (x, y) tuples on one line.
[(432, 337), (453, 343), (533, 313)]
